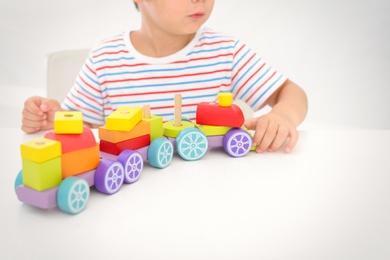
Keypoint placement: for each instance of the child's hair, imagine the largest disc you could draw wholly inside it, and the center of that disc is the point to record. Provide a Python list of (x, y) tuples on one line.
[(136, 5)]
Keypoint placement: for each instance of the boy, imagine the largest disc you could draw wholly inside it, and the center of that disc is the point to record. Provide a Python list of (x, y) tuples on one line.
[(172, 53)]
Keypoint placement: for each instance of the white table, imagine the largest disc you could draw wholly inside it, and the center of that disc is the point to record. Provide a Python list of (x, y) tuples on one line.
[(328, 199)]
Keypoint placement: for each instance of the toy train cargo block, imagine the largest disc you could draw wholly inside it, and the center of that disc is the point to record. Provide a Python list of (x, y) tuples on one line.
[(225, 99), (132, 144), (68, 122), (124, 119), (156, 126), (40, 150), (210, 130), (171, 130), (43, 175), (80, 161), (72, 142), (42, 199), (113, 136), (214, 114), (156, 123), (224, 113)]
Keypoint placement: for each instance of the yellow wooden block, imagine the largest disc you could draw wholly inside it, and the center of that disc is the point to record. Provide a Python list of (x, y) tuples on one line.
[(42, 176), (210, 130), (225, 99), (68, 122), (170, 130), (156, 126), (40, 150), (124, 118)]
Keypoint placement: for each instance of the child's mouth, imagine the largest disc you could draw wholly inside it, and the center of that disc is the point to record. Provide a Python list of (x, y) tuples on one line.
[(196, 15)]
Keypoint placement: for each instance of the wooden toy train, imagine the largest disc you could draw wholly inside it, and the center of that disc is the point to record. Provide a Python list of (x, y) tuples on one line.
[(59, 168)]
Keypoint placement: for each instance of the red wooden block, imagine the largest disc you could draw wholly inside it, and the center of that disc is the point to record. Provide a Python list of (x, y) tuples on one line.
[(73, 142), (213, 114), (132, 144)]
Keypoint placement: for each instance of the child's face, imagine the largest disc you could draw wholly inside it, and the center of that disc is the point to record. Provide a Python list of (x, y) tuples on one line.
[(175, 16)]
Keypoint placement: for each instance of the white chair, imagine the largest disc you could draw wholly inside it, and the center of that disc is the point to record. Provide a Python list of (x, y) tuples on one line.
[(62, 70)]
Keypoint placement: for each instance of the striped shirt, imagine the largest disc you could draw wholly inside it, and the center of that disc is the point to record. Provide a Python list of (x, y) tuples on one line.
[(116, 75)]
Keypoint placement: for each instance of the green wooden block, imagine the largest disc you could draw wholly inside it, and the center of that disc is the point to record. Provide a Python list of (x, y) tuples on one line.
[(156, 126), (42, 176)]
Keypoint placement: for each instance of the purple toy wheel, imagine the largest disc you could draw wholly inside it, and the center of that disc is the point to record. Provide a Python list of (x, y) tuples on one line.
[(132, 163), (237, 142), (109, 176)]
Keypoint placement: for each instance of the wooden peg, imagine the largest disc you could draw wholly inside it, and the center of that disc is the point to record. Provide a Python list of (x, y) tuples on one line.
[(146, 110)]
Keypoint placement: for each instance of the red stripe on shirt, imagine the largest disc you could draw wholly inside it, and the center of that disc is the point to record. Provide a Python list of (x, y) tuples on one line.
[(121, 66), (164, 77), (164, 92), (203, 58), (273, 74), (84, 108), (243, 66), (213, 43), (239, 50), (109, 53), (246, 82)]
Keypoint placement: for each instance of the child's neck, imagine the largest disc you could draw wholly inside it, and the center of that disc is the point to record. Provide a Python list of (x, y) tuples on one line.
[(158, 46)]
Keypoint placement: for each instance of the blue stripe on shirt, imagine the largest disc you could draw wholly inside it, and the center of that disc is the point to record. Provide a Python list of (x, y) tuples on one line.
[(251, 86), (266, 91)]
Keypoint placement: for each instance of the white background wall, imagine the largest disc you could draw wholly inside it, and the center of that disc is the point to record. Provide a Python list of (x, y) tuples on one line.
[(338, 51)]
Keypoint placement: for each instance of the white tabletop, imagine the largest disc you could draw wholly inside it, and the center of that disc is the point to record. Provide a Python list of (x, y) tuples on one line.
[(328, 199)]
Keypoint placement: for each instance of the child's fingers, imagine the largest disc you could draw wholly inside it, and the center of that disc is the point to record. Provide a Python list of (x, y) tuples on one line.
[(268, 137), (260, 126), (32, 105), (50, 105), (32, 124), (294, 136), (281, 136)]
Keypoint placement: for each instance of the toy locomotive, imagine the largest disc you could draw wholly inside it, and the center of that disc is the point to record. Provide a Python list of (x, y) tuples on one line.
[(60, 167)]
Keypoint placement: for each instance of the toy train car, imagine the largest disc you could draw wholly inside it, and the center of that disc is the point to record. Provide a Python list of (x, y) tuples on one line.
[(59, 168)]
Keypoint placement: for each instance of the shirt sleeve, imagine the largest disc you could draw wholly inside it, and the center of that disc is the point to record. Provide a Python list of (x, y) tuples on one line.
[(253, 80), (86, 95)]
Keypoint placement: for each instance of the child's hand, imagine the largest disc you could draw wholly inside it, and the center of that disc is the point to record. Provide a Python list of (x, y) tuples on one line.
[(272, 131), (38, 114)]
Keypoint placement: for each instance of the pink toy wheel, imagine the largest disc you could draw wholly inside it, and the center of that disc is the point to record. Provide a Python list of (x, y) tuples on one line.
[(237, 142), (109, 176), (132, 163)]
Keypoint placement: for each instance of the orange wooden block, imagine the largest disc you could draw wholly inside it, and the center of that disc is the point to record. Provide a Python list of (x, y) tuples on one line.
[(132, 144), (214, 114), (113, 136), (80, 161), (72, 142)]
